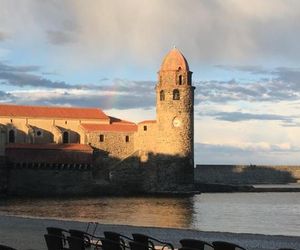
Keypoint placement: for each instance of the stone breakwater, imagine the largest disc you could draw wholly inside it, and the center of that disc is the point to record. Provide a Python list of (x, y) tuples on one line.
[(27, 233), (246, 174)]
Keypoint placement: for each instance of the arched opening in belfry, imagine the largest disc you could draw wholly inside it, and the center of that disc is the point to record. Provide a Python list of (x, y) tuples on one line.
[(11, 136), (162, 95), (180, 80), (176, 94), (65, 137)]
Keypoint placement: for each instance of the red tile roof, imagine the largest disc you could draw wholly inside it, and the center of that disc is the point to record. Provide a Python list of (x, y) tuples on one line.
[(51, 112), (114, 120), (51, 146), (147, 121), (114, 127)]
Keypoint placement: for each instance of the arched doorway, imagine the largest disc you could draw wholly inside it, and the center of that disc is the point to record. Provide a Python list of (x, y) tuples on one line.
[(65, 137)]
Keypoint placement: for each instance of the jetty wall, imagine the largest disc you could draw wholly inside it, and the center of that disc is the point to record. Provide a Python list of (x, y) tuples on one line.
[(247, 174)]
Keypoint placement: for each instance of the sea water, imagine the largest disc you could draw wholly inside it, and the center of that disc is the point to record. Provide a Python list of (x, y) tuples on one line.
[(263, 213)]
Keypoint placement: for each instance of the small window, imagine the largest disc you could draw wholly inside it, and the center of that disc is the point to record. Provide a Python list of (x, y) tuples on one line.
[(38, 133), (176, 95), (11, 136), (162, 95), (101, 138), (65, 137), (126, 138), (11, 120), (180, 80), (66, 122), (145, 128)]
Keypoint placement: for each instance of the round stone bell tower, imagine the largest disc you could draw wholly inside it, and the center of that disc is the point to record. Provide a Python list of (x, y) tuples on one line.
[(175, 112)]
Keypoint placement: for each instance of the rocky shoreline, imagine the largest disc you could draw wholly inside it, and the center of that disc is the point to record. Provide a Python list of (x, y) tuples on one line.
[(27, 234)]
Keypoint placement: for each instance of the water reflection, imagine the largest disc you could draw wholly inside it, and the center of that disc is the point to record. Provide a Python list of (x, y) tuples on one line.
[(145, 211), (265, 213)]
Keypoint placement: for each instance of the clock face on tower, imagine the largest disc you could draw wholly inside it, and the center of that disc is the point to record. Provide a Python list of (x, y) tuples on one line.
[(176, 122)]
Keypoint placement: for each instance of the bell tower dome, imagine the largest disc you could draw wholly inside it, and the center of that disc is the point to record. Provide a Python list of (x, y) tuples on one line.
[(175, 109)]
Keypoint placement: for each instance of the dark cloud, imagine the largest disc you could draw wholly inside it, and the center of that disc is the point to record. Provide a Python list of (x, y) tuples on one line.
[(241, 116), (91, 99), (60, 37), (252, 69), (222, 91), (21, 76), (4, 94), (279, 84)]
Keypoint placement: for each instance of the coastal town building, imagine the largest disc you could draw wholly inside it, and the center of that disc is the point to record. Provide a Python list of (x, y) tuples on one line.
[(40, 135)]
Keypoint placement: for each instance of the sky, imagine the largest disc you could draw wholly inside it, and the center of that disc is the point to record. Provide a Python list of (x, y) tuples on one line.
[(94, 53)]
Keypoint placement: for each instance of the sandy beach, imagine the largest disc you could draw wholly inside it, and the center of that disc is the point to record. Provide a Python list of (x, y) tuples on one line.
[(27, 233)]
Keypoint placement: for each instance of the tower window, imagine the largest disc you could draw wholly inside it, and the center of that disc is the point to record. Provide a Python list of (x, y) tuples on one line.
[(176, 94), (11, 136), (66, 122), (180, 80), (65, 137), (162, 95), (145, 128), (101, 138), (126, 138)]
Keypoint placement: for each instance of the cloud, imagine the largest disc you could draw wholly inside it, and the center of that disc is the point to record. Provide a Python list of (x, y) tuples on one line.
[(4, 94), (21, 76), (252, 69), (274, 84), (3, 36), (242, 116), (249, 153), (110, 98), (282, 84), (60, 37), (103, 31)]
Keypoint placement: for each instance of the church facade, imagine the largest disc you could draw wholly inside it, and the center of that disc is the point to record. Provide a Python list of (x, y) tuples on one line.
[(60, 135)]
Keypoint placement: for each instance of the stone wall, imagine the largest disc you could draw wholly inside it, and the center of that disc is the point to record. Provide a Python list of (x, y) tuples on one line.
[(3, 176), (49, 154), (49, 182), (175, 138), (146, 136), (51, 130), (247, 174), (114, 144), (159, 173)]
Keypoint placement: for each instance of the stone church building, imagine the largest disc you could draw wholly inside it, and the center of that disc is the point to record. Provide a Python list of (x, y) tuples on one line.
[(60, 138)]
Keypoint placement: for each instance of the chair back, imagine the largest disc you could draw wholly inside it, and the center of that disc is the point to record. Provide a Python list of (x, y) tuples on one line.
[(76, 243), (77, 233), (53, 242), (111, 245), (81, 235), (141, 238), (55, 231), (223, 245), (4, 247), (196, 244), (112, 236), (134, 245)]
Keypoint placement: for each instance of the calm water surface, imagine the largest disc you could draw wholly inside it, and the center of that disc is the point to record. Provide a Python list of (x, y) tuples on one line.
[(266, 213)]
